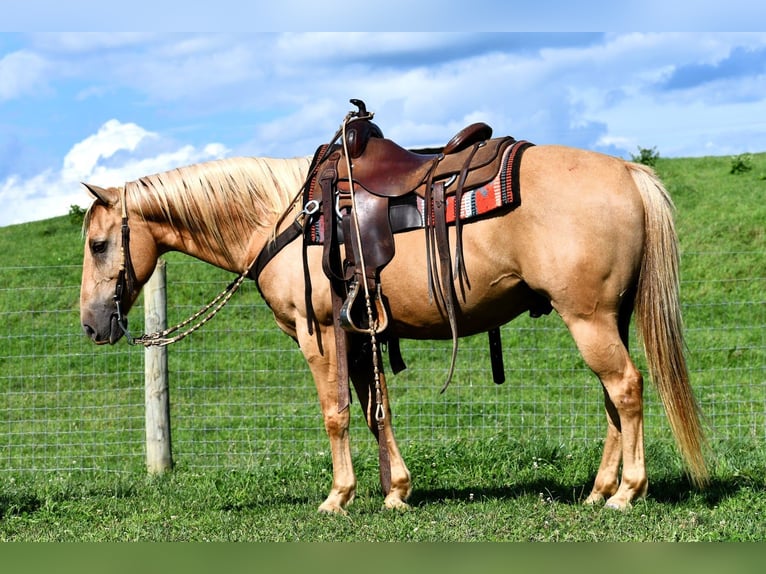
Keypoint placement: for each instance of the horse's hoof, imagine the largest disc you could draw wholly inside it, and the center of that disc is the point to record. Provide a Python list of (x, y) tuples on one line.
[(326, 508), (620, 505), (594, 498), (394, 502), (335, 505)]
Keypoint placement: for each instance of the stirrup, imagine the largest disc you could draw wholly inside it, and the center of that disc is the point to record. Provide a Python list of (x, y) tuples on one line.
[(345, 315)]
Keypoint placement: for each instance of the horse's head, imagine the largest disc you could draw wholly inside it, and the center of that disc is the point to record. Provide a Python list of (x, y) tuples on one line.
[(108, 251)]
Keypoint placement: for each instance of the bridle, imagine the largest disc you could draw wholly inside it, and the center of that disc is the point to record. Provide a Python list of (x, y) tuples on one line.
[(126, 280)]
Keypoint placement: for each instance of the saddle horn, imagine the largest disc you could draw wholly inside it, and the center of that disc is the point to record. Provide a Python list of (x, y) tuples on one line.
[(362, 111), (360, 131)]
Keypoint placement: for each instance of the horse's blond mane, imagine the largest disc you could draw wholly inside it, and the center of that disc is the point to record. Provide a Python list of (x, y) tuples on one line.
[(219, 199)]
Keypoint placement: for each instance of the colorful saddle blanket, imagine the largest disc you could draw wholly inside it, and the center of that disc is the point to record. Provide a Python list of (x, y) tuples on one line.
[(408, 212)]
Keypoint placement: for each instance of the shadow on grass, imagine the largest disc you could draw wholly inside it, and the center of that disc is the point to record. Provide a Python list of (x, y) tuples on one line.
[(19, 504), (274, 502), (672, 491), (561, 493), (678, 490)]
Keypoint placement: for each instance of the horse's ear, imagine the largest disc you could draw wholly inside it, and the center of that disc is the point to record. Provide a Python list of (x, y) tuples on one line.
[(108, 196)]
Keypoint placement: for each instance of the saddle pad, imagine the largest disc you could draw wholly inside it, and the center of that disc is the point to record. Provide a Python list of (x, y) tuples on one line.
[(502, 192)]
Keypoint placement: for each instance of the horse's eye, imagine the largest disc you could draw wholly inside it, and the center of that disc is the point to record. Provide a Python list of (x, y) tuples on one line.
[(98, 247)]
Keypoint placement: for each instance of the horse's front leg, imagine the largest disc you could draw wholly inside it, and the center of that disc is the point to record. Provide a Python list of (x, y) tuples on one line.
[(361, 371), (322, 362)]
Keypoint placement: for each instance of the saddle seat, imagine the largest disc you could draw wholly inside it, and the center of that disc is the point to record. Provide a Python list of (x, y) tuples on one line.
[(386, 169)]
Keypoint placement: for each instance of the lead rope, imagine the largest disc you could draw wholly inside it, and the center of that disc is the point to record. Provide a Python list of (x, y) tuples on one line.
[(161, 339)]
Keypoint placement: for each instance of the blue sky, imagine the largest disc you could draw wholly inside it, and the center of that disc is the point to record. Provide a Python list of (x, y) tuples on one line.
[(108, 107)]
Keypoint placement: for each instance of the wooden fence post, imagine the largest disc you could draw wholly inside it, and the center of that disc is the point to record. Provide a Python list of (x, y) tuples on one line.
[(159, 456)]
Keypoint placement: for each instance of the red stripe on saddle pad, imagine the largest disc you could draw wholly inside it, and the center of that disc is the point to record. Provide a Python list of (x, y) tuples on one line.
[(503, 191)]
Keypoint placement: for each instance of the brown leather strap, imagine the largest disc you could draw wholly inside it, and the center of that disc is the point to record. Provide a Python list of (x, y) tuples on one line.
[(384, 461), (341, 351), (430, 241), (363, 377), (460, 271), (331, 264), (446, 286), (496, 356), (332, 267)]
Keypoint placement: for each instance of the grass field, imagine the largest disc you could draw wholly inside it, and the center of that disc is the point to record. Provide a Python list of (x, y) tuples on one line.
[(488, 463)]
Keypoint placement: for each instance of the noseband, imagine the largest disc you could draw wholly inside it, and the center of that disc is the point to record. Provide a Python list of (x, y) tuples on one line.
[(126, 281)]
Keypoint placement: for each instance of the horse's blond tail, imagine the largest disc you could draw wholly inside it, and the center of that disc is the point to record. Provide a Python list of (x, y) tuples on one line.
[(660, 327)]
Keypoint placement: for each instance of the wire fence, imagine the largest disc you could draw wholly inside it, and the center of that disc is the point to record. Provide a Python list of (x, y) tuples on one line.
[(242, 395)]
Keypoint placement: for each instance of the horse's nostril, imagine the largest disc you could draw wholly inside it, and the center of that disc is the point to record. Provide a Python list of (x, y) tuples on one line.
[(89, 331)]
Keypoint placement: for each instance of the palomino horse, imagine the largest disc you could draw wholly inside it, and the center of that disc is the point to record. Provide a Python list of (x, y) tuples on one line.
[(594, 236)]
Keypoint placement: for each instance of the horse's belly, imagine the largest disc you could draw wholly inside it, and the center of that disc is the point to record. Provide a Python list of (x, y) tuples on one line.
[(416, 315)]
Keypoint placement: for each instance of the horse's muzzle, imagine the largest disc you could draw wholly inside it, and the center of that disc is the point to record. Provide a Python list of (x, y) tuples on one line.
[(114, 334)]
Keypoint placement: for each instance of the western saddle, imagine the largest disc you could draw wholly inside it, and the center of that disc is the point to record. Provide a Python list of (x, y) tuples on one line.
[(353, 186), (359, 179)]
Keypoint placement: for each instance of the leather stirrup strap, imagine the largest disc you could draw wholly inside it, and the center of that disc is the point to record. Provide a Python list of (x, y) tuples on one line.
[(446, 283), (341, 350), (332, 267), (384, 460)]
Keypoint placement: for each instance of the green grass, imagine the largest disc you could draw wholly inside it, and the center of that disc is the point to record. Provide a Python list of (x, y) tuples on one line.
[(489, 462), (497, 491)]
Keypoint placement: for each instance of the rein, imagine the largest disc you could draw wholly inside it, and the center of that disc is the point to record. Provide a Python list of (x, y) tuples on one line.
[(126, 279)]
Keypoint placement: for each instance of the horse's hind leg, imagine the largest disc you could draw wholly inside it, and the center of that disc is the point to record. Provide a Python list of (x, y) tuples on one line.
[(605, 352), (362, 375), (607, 480)]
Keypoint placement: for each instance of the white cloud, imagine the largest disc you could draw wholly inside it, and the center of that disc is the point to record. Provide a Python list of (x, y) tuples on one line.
[(51, 193), (113, 136)]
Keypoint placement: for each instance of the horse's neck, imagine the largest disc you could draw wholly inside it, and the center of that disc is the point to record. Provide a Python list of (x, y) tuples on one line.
[(230, 229), (240, 249)]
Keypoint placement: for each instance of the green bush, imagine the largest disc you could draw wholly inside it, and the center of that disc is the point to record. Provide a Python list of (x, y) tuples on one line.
[(76, 214), (741, 163), (646, 156)]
